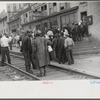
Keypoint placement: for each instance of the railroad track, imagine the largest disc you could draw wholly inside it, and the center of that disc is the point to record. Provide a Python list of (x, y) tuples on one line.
[(53, 73), (11, 73)]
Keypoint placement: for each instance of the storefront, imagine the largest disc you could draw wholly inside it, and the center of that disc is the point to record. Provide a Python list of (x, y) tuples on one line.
[(69, 18), (14, 26), (57, 20), (53, 22)]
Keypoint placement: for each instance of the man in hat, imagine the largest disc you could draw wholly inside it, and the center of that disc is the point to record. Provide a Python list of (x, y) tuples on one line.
[(69, 47), (32, 59)]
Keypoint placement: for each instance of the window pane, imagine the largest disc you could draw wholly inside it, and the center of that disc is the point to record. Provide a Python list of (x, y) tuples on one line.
[(63, 19), (55, 9), (75, 17), (67, 19), (54, 4), (71, 18)]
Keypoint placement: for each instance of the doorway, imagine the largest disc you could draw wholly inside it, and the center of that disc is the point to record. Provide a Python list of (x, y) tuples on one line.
[(83, 16), (84, 21)]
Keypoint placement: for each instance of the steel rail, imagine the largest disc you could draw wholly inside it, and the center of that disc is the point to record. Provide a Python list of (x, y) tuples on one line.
[(24, 72), (68, 69)]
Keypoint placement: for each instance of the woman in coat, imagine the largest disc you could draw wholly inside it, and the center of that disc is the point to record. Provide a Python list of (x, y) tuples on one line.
[(40, 50)]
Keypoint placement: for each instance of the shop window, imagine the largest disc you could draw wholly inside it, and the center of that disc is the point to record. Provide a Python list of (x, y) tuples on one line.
[(54, 4), (61, 8), (42, 8), (67, 19), (75, 17), (14, 7), (26, 15), (8, 8), (63, 19), (71, 18), (45, 7), (55, 9)]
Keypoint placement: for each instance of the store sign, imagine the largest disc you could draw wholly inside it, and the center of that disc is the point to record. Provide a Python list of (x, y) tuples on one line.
[(90, 20)]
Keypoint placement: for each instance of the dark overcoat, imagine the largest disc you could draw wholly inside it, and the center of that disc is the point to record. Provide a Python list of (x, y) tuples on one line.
[(61, 49), (40, 50)]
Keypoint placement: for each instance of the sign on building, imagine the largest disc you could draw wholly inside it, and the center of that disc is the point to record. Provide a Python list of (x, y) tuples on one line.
[(90, 20)]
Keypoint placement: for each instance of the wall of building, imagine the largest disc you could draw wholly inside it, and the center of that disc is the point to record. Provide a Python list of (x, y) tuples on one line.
[(3, 26), (94, 10), (74, 3), (56, 20), (83, 7)]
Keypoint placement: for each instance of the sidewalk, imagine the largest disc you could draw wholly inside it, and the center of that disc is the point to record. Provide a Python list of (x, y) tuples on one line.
[(86, 64)]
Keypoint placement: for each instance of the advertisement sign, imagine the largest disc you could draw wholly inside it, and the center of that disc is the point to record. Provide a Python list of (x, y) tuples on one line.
[(90, 20)]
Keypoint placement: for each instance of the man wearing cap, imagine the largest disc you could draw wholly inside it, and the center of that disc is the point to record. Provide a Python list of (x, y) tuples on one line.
[(27, 50), (69, 46), (4, 42)]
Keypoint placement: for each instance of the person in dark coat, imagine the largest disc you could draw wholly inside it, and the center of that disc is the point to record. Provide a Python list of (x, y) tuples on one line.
[(85, 29), (76, 32), (79, 33), (73, 32), (82, 30), (54, 46), (33, 57), (27, 50), (41, 52), (61, 50), (68, 29), (57, 47)]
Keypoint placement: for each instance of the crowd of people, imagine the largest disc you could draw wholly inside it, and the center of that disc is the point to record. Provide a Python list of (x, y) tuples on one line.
[(39, 49)]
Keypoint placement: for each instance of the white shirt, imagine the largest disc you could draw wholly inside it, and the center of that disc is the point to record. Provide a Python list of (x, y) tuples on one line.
[(68, 41), (4, 41), (17, 37), (10, 38)]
